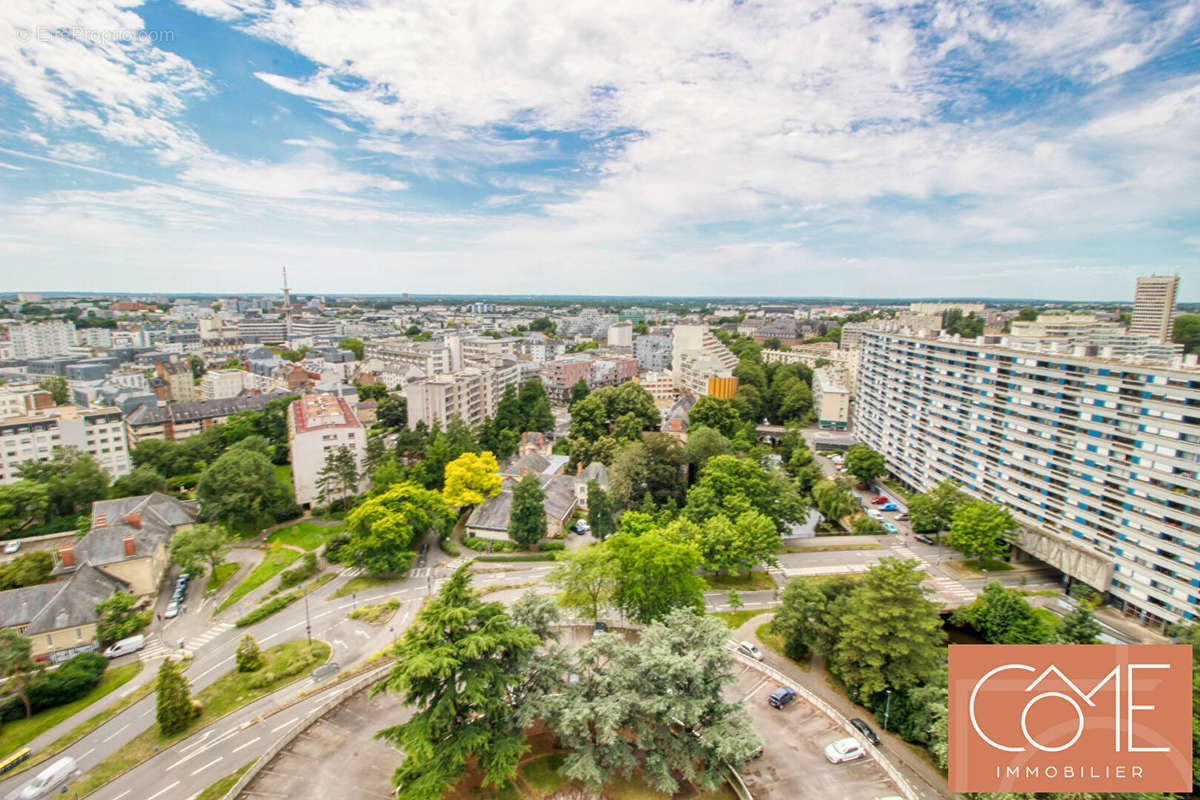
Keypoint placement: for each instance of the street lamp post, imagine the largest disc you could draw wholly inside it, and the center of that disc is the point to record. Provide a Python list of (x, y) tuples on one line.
[(307, 621), (887, 710)]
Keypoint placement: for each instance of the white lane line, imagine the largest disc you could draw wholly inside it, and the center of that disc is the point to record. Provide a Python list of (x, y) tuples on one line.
[(122, 794), (284, 725), (164, 791), (114, 733), (247, 744), (363, 634), (88, 753), (218, 760), (201, 741)]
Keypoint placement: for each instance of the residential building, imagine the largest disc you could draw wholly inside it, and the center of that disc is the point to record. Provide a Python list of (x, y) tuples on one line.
[(692, 340), (701, 373), (99, 432), (831, 399), (1153, 306), (660, 385), (319, 424), (612, 371), (262, 330), (1062, 332), (620, 334), (1098, 461), (490, 519), (59, 618), (38, 339), (482, 349), (218, 384), (325, 327), (177, 378), (181, 420), (400, 355), (21, 400), (470, 394), (560, 376), (653, 353)]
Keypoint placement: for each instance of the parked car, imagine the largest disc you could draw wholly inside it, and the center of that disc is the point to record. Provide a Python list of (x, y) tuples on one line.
[(12, 547), (880, 500), (923, 539), (172, 610), (781, 697), (599, 627), (48, 780), (890, 507), (842, 750), (874, 513), (865, 730), (130, 645), (580, 527), (902, 516), (750, 649), (890, 528)]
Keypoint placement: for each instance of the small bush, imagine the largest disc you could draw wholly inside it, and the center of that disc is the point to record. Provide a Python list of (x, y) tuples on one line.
[(288, 511), (548, 546), (267, 609), (335, 547), (1085, 594), (498, 545), (299, 573), (72, 680), (181, 482), (249, 657), (451, 548)]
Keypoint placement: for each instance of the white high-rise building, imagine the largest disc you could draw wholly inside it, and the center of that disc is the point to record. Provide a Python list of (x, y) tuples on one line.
[(1153, 305), (471, 394), (217, 384), (319, 424), (39, 339), (1098, 460), (98, 432)]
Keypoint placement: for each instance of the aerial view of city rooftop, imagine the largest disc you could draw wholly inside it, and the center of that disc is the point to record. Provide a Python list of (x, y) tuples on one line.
[(533, 401)]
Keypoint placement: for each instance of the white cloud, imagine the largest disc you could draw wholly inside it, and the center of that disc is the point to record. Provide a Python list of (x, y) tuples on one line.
[(312, 141)]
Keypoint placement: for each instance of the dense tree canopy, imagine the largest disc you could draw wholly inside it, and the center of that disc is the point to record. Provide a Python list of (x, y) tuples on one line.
[(471, 479), (527, 520), (979, 529), (240, 489), (383, 528), (655, 464), (731, 485)]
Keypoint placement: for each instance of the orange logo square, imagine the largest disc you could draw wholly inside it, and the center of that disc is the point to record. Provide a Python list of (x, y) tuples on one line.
[(1070, 718)]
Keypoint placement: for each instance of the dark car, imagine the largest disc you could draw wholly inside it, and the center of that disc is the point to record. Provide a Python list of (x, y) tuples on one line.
[(865, 730), (599, 628), (923, 539), (781, 697)]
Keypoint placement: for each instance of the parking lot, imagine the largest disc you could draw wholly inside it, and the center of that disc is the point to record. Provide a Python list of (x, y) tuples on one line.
[(793, 762)]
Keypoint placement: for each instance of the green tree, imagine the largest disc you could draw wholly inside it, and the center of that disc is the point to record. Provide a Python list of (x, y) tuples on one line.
[(589, 419), (730, 485), (392, 412), (1186, 332), (932, 511), (715, 413), (143, 480), (864, 463), (864, 523), (119, 618), (734, 599), (248, 656), (656, 464), (535, 408), (627, 428), (978, 529), (542, 325), (457, 666), (586, 579), (1080, 627), (196, 363), (73, 480), (600, 516), (654, 576), (21, 504), (27, 569), (1027, 315), (702, 444), (17, 667), (527, 521), (240, 489), (353, 345), (892, 634), (471, 479), (579, 391), (200, 546), (57, 387), (795, 403), (383, 528), (174, 704), (801, 620), (1003, 616), (630, 398), (723, 544)]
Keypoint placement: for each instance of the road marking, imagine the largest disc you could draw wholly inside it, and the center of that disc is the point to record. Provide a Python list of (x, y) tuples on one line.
[(218, 760), (338, 643), (203, 739), (247, 744), (122, 794), (284, 725), (164, 791), (88, 753), (114, 733), (363, 634)]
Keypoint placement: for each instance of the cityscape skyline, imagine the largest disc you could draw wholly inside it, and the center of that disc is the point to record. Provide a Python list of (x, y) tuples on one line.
[(927, 151)]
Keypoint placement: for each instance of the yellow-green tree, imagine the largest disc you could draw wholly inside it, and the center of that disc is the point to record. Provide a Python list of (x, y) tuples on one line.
[(471, 478)]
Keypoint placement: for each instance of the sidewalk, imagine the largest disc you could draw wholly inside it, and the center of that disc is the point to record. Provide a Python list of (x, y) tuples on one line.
[(923, 776)]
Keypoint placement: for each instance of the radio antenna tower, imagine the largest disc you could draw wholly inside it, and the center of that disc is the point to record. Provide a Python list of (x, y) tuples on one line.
[(287, 306)]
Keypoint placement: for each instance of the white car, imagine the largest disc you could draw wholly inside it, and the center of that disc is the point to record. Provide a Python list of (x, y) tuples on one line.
[(12, 547), (172, 610), (847, 749), (874, 513), (750, 649), (52, 777)]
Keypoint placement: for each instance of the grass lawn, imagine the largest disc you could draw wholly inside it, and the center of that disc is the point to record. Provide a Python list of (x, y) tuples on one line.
[(517, 557), (822, 548), (736, 619), (376, 614), (15, 734), (774, 643), (276, 560), (307, 535), (220, 575), (217, 790), (283, 474), (290, 661), (362, 583), (751, 581)]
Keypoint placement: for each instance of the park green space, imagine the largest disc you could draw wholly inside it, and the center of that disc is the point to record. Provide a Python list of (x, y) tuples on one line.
[(276, 560)]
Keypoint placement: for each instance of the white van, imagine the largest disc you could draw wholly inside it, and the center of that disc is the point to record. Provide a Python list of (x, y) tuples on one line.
[(130, 645), (49, 779)]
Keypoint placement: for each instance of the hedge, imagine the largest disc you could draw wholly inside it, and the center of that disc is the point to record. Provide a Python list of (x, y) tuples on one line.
[(72, 680), (267, 609)]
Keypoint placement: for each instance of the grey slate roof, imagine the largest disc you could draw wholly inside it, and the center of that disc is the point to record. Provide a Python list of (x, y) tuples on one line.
[(493, 515), (159, 516), (204, 409), (595, 471), (534, 462), (65, 604)]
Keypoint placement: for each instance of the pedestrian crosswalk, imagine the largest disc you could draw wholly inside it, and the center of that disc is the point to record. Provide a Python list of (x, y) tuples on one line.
[(420, 572), (156, 648), (951, 589)]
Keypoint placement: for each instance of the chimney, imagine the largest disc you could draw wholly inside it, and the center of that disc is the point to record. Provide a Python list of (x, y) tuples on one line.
[(130, 547), (524, 471), (579, 468), (134, 519), (66, 555)]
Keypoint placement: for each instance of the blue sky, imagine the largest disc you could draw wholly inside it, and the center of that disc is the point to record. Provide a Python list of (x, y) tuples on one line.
[(600, 146)]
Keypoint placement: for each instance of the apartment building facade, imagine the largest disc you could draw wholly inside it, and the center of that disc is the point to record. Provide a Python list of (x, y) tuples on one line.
[(831, 399), (653, 353), (1153, 306), (319, 424), (401, 355), (1098, 460), (99, 432), (38, 339), (219, 384), (470, 394)]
